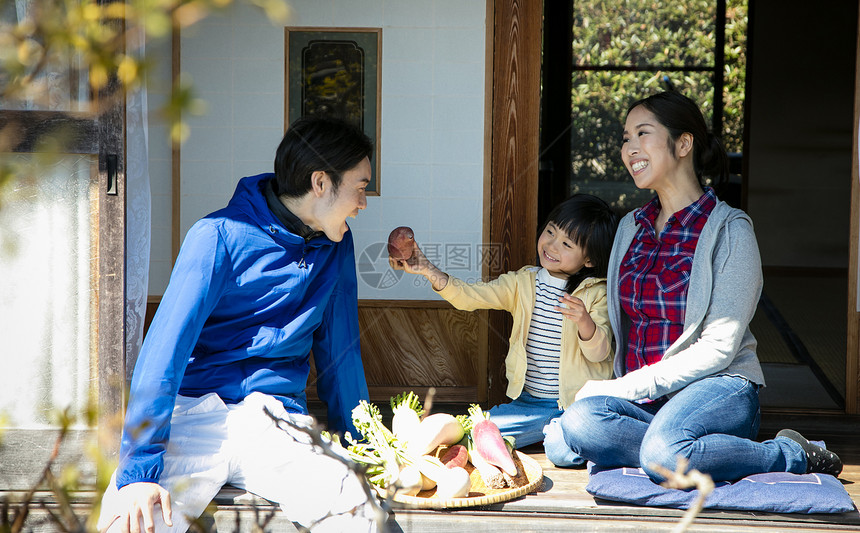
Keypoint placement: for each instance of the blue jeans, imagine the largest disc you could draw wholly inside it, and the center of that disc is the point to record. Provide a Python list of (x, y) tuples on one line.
[(528, 420), (710, 422)]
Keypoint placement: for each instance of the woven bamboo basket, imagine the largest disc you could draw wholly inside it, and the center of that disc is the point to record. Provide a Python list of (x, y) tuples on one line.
[(528, 479)]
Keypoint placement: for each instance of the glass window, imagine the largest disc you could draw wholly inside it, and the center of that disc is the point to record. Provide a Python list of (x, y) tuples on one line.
[(48, 302), (626, 50)]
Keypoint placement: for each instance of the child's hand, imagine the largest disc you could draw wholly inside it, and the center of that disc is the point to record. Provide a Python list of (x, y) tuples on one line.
[(573, 308), (419, 264), (416, 264)]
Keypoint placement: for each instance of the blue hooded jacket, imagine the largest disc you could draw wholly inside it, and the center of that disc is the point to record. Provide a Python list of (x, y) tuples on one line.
[(246, 303)]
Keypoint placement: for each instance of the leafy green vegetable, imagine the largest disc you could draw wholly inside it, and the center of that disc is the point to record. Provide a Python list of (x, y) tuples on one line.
[(407, 400)]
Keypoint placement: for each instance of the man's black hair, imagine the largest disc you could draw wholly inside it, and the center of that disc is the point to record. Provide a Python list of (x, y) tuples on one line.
[(317, 143)]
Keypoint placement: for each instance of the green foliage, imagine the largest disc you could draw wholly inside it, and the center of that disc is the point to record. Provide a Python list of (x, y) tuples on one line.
[(86, 44), (407, 400), (654, 35)]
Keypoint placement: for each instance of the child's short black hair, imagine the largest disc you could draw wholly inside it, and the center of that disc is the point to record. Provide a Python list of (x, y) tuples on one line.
[(591, 224)]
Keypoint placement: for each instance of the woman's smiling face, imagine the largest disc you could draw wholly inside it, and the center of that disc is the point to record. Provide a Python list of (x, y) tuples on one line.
[(646, 149)]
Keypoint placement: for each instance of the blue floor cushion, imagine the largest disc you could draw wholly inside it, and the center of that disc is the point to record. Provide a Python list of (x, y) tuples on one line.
[(778, 492)]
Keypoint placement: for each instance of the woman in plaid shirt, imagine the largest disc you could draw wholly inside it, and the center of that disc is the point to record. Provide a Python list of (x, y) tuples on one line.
[(684, 281)]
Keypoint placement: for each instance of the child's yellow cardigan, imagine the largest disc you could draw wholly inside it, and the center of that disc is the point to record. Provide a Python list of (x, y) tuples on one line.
[(514, 292)]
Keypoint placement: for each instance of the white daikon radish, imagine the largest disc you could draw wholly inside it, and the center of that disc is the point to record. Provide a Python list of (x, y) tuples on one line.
[(409, 481), (407, 413), (435, 430), (454, 484)]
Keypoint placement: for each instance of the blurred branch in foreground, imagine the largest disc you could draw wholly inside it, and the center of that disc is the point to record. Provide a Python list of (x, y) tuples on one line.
[(76, 59), (683, 479), (325, 446)]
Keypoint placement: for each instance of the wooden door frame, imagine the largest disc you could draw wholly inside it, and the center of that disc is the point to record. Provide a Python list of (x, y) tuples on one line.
[(112, 266), (25, 451), (852, 360), (511, 207)]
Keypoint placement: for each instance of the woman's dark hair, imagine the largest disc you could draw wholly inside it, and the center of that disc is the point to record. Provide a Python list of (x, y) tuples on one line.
[(591, 224), (317, 143), (680, 114)]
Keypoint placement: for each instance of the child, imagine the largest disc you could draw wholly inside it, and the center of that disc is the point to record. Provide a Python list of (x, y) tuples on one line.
[(560, 336)]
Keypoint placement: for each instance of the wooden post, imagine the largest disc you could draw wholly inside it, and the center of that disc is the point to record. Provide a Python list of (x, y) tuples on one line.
[(110, 105), (852, 359), (515, 158)]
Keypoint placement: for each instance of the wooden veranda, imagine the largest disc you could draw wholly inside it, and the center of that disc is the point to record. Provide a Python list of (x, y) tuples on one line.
[(562, 504)]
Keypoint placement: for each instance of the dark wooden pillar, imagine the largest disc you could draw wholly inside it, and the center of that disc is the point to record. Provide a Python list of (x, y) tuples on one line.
[(554, 177), (852, 366), (515, 158), (110, 104)]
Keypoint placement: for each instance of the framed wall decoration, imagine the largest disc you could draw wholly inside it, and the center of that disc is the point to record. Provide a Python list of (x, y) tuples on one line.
[(336, 72)]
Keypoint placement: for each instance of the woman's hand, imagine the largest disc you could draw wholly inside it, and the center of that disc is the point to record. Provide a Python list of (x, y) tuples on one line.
[(419, 264), (137, 501), (595, 387), (574, 309)]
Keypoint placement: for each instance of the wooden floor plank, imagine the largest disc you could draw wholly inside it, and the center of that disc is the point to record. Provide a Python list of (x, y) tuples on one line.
[(562, 504), (564, 498)]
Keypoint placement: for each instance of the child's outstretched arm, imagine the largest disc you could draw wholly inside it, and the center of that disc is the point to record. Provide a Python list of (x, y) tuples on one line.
[(419, 264)]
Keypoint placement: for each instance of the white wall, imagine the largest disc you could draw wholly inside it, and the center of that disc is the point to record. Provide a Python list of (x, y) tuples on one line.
[(433, 90), (158, 90)]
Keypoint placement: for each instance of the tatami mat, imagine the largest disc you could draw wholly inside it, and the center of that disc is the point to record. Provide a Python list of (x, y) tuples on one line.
[(814, 307)]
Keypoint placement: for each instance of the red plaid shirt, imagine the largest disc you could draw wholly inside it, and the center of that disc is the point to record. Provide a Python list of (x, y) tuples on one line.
[(654, 277)]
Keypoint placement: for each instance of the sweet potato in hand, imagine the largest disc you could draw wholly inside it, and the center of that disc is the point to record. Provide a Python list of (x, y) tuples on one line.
[(400, 243)]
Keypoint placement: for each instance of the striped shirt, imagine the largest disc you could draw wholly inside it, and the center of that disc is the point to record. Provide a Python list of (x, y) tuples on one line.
[(654, 277), (543, 344)]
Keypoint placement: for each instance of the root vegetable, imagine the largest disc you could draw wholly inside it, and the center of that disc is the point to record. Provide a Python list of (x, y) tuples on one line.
[(457, 455), (490, 475), (427, 483), (434, 430), (454, 484), (489, 442), (449, 483), (407, 414), (410, 481), (400, 242), (429, 467)]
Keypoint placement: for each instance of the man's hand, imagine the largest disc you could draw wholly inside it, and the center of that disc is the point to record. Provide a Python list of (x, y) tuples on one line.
[(137, 501)]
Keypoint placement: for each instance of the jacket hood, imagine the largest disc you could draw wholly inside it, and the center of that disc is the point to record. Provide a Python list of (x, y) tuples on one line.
[(249, 198)]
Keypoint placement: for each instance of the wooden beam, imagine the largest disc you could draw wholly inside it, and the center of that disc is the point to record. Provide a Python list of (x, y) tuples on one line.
[(515, 158), (77, 132)]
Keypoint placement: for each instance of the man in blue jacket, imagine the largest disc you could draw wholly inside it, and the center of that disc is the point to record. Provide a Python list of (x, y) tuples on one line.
[(257, 286)]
